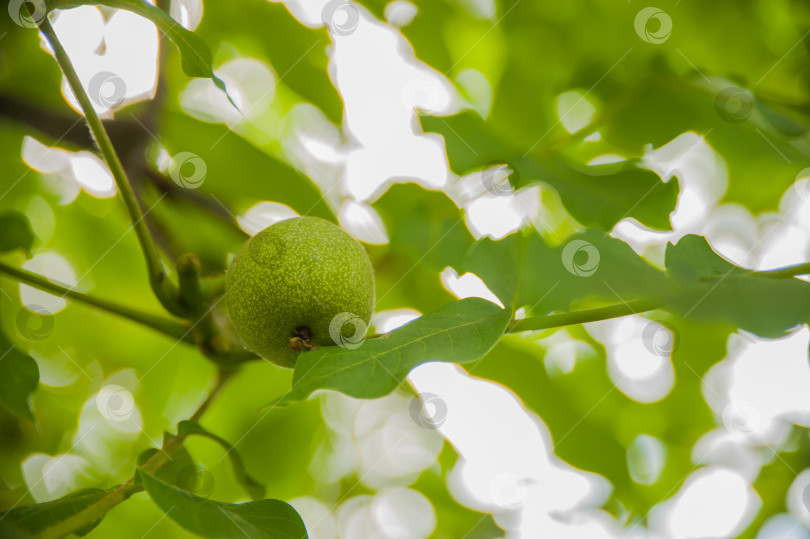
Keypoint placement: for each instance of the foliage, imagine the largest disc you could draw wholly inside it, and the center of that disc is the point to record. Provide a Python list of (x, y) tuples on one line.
[(547, 90)]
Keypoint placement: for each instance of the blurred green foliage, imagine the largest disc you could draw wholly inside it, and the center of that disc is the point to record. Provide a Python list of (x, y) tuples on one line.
[(643, 94)]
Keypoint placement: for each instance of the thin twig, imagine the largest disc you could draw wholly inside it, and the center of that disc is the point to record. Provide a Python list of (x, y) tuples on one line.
[(586, 315), (167, 326), (786, 272), (163, 287), (95, 512)]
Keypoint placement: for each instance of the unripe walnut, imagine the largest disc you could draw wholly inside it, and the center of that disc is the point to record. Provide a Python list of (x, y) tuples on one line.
[(294, 279)]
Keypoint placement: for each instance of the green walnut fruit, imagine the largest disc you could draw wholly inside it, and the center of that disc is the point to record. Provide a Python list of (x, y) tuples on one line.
[(298, 284)]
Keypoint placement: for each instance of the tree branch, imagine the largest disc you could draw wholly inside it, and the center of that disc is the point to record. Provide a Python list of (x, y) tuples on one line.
[(172, 328), (169, 187), (164, 288), (786, 272), (93, 513), (55, 125), (128, 135), (631, 307), (587, 315)]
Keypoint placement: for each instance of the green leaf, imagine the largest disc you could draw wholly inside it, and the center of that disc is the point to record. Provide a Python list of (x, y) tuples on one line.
[(750, 150), (15, 232), (271, 519), (271, 32), (693, 258), (562, 277), (425, 225), (780, 121), (426, 233), (254, 488), (457, 333), (595, 196), (722, 292), (7, 531), (496, 262), (195, 54), (35, 518), (588, 269), (19, 378)]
